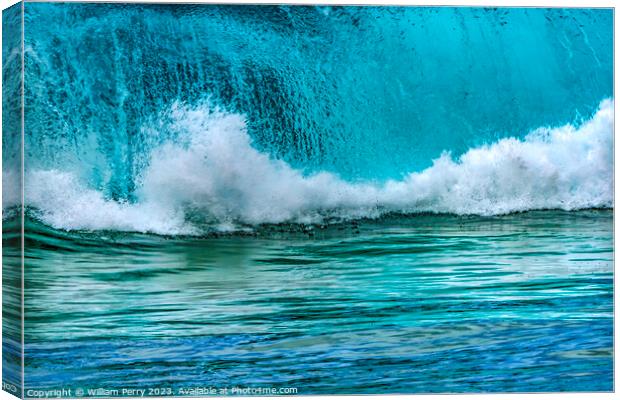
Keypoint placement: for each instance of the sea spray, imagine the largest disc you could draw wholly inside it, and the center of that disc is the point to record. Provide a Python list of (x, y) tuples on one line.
[(212, 177)]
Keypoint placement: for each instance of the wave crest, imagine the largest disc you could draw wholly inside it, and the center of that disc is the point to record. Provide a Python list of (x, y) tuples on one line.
[(211, 177)]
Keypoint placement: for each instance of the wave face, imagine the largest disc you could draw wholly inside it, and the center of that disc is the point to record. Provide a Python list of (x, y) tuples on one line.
[(180, 118)]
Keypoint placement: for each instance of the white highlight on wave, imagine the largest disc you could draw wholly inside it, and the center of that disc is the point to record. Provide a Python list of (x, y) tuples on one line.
[(216, 174)]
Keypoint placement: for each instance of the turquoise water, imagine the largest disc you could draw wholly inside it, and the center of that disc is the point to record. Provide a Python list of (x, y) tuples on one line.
[(400, 305), (311, 199)]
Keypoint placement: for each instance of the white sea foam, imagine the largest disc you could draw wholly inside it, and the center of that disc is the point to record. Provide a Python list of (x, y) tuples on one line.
[(212, 176)]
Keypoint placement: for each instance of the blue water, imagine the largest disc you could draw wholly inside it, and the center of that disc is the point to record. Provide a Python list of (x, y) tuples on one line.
[(330, 199), (366, 92), (401, 305)]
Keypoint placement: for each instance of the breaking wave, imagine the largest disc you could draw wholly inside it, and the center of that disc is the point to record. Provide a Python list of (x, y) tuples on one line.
[(212, 177)]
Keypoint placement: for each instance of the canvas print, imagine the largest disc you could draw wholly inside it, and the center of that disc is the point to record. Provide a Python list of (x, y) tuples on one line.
[(220, 200)]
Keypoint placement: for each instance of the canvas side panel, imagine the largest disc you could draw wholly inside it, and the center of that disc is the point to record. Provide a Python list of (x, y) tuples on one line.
[(12, 207)]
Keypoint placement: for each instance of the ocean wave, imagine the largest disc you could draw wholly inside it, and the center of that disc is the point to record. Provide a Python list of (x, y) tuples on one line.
[(211, 177)]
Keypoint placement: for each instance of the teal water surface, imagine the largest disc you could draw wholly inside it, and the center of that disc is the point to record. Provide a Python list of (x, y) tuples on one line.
[(428, 303), (308, 199)]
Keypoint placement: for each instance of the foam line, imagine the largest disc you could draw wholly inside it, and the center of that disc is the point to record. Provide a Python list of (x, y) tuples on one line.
[(212, 177)]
